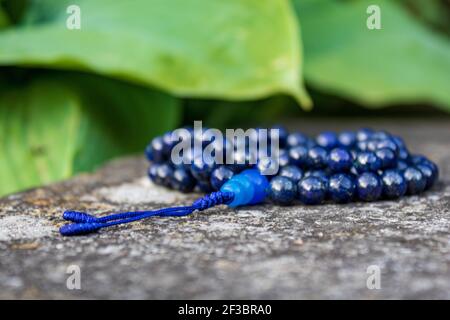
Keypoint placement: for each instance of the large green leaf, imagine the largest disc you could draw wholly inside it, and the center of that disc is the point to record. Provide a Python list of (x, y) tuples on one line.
[(402, 63), (51, 129), (229, 49)]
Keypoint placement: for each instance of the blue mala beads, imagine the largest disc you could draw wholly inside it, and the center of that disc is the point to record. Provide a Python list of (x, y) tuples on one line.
[(362, 165)]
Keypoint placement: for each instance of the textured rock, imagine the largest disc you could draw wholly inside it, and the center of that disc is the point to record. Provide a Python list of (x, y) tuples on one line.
[(254, 252)]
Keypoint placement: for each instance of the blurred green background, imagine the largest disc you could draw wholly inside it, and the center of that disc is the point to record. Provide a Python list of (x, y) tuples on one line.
[(72, 99)]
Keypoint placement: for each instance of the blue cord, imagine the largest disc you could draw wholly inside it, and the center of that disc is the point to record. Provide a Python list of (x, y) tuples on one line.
[(85, 223)]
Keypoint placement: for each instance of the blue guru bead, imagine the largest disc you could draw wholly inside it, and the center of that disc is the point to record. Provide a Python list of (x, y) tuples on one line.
[(292, 172), (242, 189), (260, 184), (219, 176), (341, 188), (282, 190), (327, 140), (369, 186), (339, 160), (367, 161), (394, 185), (312, 190), (317, 157), (415, 180)]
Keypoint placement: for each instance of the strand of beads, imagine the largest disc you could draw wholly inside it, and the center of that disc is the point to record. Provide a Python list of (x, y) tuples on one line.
[(365, 165)]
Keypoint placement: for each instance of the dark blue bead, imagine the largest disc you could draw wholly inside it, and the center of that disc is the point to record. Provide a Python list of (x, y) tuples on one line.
[(266, 166), (203, 186), (394, 185), (368, 186), (362, 145), (282, 190), (387, 157), (389, 144), (292, 172), (296, 139), (182, 180), (341, 188), (339, 160), (398, 141), (219, 176), (312, 190), (298, 156), (321, 174), (161, 174), (371, 144), (403, 154), (242, 160), (401, 165), (428, 174), (418, 159), (157, 146), (327, 140), (317, 157), (149, 152), (168, 144), (283, 158), (201, 170), (283, 135), (415, 180), (364, 134), (367, 161), (380, 135), (347, 139)]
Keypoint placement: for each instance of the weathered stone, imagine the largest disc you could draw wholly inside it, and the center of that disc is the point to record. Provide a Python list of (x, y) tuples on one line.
[(254, 252)]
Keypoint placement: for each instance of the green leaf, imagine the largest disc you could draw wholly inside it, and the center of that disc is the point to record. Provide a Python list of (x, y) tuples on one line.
[(230, 49), (3, 19), (402, 63), (51, 129)]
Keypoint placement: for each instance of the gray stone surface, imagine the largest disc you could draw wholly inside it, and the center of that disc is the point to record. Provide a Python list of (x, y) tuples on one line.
[(265, 251)]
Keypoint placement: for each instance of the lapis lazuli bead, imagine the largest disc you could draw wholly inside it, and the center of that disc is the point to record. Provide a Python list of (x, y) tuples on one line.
[(182, 180), (369, 186), (387, 157), (283, 135), (427, 173), (341, 188), (296, 139), (201, 169), (347, 139), (219, 176), (364, 134), (321, 174), (327, 140), (282, 190), (367, 161), (339, 160), (203, 186), (416, 182), (299, 156), (292, 172), (283, 158), (157, 146), (317, 157), (389, 144), (394, 184), (312, 190), (161, 174)]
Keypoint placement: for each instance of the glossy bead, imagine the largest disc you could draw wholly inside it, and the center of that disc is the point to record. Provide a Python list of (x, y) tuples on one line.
[(182, 180), (299, 156), (296, 139), (347, 139), (403, 154), (203, 186), (327, 140), (387, 157), (341, 188), (339, 160), (168, 144), (282, 190), (394, 185), (161, 174), (415, 180), (157, 147), (242, 189), (364, 134), (427, 173), (401, 165), (260, 184), (201, 170), (321, 174), (219, 176), (317, 157), (283, 158), (368, 186), (312, 190), (389, 144), (292, 172), (367, 161)]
